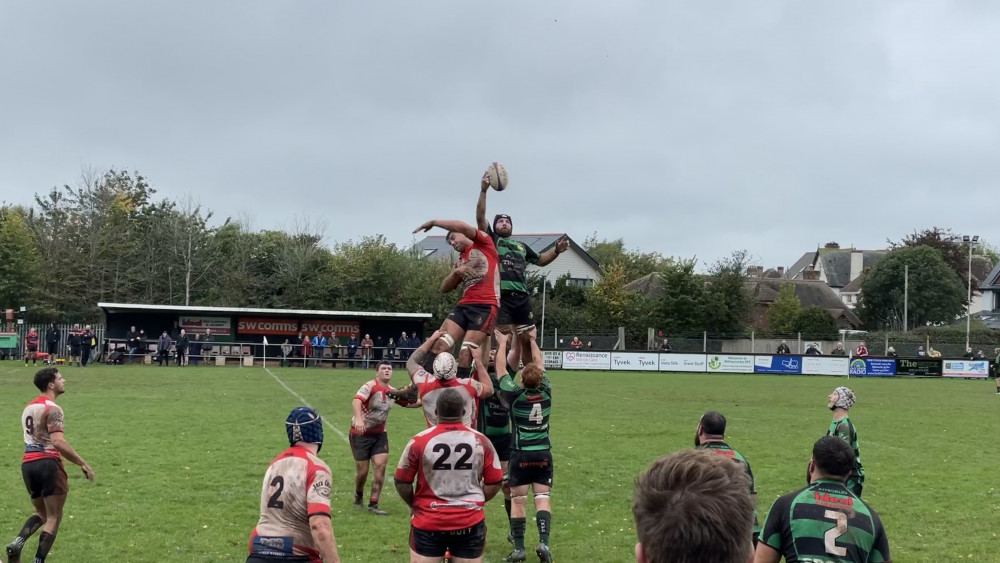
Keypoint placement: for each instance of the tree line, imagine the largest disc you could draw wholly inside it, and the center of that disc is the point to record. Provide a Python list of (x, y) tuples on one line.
[(111, 238)]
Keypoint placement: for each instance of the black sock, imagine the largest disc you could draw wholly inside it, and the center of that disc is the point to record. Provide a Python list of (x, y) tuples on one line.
[(464, 372), (45, 541), (506, 506), (31, 526), (544, 518), (517, 526), (358, 495)]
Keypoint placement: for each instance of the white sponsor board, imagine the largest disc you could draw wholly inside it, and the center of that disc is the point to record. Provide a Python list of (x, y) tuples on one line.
[(683, 362), (966, 368), (634, 361), (820, 365), (553, 359), (586, 360), (730, 363), (199, 325)]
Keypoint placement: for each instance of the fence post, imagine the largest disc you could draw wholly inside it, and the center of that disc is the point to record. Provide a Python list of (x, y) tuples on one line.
[(650, 339), (555, 338), (704, 341), (753, 341), (800, 343), (621, 338), (885, 351), (927, 346)]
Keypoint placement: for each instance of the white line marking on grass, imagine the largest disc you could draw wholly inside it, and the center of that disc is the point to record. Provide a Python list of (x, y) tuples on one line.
[(306, 403)]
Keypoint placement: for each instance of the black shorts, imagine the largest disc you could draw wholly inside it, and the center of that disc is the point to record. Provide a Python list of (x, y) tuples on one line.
[(269, 559), (32, 349), (367, 447), (515, 309), (467, 543), (44, 478), (529, 468), (504, 445), (474, 317)]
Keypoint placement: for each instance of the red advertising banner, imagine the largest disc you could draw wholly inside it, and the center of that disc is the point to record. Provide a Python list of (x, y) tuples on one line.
[(327, 326), (252, 325)]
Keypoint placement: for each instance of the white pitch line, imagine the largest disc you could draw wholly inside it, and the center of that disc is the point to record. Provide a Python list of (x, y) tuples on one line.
[(306, 403)]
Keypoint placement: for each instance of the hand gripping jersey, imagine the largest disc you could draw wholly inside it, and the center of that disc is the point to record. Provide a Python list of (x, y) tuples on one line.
[(450, 462), (514, 257), (482, 286), (429, 387), (529, 413), (844, 428), (40, 419), (726, 450), (494, 413), (375, 407), (825, 522), (296, 486)]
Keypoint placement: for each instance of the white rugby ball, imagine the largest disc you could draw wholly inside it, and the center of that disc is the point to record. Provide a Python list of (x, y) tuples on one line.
[(497, 175)]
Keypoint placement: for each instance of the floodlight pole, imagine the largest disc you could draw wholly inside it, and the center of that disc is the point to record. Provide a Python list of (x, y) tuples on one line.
[(906, 297), (968, 311)]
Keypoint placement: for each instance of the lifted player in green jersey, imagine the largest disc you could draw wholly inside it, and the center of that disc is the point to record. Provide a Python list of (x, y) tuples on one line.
[(710, 435), (824, 522), (531, 463), (841, 401)]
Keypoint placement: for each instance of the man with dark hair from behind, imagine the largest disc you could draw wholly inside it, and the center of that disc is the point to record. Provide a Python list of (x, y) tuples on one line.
[(693, 506), (710, 435), (824, 521)]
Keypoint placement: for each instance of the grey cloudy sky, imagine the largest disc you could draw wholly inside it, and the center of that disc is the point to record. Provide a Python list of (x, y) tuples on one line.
[(688, 128)]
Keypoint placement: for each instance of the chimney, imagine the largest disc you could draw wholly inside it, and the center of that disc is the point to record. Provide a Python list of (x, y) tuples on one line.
[(781, 271), (857, 264), (810, 274)]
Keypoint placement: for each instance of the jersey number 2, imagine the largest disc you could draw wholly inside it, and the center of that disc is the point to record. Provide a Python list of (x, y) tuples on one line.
[(536, 413), (831, 535), (274, 501), (445, 451)]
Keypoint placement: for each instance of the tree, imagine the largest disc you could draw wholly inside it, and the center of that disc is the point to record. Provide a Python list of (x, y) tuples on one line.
[(815, 323), (953, 250), (728, 302), (608, 301), (635, 263), (783, 314), (680, 307), (19, 261), (936, 293)]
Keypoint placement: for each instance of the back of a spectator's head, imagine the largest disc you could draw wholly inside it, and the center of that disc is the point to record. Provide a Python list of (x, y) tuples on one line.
[(693, 506), (833, 457)]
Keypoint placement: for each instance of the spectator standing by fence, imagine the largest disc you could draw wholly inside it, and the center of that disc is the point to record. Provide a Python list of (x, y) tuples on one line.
[(182, 347), (194, 356), (319, 343), (87, 344), (352, 348), (307, 347), (366, 349), (286, 351), (52, 337), (75, 341), (390, 350), (163, 349)]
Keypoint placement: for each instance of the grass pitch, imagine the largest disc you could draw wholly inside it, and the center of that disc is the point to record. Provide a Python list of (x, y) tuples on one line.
[(180, 453)]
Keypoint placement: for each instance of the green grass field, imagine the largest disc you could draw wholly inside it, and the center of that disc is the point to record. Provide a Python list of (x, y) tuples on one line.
[(180, 453)]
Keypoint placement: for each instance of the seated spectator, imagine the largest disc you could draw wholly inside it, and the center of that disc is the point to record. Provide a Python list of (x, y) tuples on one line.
[(576, 344), (891, 352), (813, 349), (862, 350), (783, 348), (839, 350), (665, 347)]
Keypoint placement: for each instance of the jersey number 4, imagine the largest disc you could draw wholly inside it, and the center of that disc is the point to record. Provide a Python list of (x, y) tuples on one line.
[(461, 464), (536, 414), (831, 535)]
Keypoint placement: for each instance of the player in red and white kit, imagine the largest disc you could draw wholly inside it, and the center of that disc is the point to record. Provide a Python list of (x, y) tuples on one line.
[(478, 272), (369, 441), (294, 524), (429, 386), (41, 467), (456, 471)]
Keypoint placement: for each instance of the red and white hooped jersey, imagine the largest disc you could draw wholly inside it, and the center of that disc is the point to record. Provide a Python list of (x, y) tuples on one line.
[(450, 463), (429, 387), (375, 405), (482, 286), (296, 486), (40, 419)]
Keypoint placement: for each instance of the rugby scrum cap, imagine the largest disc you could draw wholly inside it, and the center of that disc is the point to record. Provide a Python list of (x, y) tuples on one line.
[(304, 425), (444, 366), (499, 216), (845, 398)]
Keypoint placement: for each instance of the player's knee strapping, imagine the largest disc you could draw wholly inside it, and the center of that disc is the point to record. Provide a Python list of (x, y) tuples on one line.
[(470, 346), (522, 499), (521, 329), (447, 338), (541, 496)]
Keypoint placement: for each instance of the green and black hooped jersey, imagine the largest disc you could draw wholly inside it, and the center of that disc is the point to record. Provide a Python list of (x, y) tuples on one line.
[(725, 449), (529, 413), (514, 258), (825, 523), (494, 412), (843, 428)]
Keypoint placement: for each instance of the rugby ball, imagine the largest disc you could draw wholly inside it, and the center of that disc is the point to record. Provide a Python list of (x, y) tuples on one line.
[(497, 176)]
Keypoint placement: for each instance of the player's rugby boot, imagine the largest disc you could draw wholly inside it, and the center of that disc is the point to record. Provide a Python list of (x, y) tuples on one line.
[(543, 553), (14, 551), (374, 509), (357, 502), (516, 556)]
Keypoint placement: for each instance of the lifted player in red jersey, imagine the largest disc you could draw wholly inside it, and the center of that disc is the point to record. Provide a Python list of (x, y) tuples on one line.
[(369, 441), (41, 467), (294, 524), (457, 471)]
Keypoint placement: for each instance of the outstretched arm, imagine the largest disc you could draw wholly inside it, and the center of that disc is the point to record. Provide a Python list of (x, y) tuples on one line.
[(549, 255), (481, 205), (536, 353), (450, 226), (501, 359)]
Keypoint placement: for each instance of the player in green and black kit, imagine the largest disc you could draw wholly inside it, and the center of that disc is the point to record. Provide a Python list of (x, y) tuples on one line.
[(531, 462), (710, 435), (841, 401), (494, 422), (824, 522)]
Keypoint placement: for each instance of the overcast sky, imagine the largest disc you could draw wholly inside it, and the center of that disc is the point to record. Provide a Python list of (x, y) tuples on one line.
[(688, 128)]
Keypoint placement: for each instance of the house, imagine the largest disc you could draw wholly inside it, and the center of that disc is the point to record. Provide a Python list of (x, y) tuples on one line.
[(989, 292), (582, 269), (811, 291), (842, 269)]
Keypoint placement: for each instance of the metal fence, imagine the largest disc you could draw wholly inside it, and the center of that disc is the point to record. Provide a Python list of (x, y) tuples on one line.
[(62, 345)]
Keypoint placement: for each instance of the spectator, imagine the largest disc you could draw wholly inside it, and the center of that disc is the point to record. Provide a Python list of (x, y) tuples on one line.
[(890, 352), (286, 351), (969, 355), (319, 344), (194, 355), (181, 347), (380, 348), (783, 348), (404, 347), (206, 344), (352, 348), (932, 353), (576, 344), (839, 350), (920, 351), (665, 346), (813, 349), (75, 344), (390, 350), (590, 344), (366, 349), (52, 337), (131, 343), (307, 347), (862, 350), (87, 343), (163, 349)]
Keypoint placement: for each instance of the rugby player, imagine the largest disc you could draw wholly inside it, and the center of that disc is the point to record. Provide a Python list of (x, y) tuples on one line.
[(369, 441), (43, 423), (824, 521), (711, 435), (456, 473), (515, 302), (494, 423), (425, 388), (692, 506), (294, 524), (31, 341), (840, 402), (472, 319), (531, 461)]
